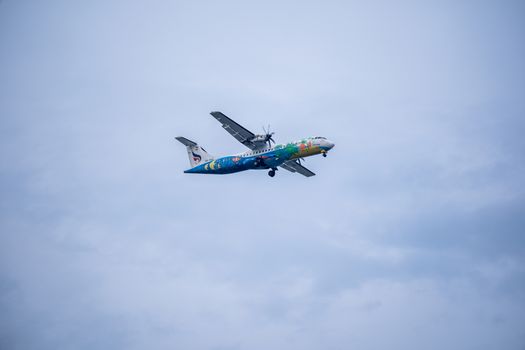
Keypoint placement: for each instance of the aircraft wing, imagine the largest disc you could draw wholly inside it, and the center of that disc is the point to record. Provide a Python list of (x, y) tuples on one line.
[(242, 134), (294, 167)]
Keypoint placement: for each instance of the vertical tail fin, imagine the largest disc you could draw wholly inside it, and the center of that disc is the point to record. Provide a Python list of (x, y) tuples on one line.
[(196, 153)]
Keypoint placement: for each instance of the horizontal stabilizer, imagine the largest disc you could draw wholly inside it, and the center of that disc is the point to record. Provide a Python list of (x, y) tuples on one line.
[(186, 142)]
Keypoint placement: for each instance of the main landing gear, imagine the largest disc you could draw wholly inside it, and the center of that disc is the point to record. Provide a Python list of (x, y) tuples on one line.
[(271, 173)]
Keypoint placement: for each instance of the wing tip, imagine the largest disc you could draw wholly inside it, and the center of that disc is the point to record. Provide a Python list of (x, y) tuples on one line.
[(216, 113)]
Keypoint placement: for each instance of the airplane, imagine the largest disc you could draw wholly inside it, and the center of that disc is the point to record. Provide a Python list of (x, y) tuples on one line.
[(261, 156)]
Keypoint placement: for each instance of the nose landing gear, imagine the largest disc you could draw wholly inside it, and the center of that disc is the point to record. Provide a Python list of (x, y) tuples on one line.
[(324, 153), (271, 173)]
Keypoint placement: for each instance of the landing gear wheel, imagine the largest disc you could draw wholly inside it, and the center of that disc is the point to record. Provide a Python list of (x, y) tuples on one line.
[(271, 173), (324, 154)]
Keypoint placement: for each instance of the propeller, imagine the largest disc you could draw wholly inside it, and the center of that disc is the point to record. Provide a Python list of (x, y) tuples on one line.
[(268, 136)]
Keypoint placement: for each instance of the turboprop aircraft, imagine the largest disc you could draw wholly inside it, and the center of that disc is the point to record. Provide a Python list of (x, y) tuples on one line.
[(262, 155)]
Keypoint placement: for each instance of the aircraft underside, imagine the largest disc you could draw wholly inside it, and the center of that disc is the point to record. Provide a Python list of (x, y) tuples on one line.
[(234, 164)]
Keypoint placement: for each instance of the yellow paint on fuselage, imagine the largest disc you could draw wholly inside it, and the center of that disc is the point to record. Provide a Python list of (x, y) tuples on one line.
[(306, 151)]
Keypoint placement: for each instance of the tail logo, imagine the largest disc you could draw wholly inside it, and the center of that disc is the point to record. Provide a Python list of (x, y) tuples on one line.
[(196, 158)]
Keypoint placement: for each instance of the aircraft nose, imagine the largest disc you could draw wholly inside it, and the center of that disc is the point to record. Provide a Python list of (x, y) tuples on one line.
[(330, 144)]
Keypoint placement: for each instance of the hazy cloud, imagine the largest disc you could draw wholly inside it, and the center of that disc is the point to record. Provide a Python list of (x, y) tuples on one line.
[(411, 234)]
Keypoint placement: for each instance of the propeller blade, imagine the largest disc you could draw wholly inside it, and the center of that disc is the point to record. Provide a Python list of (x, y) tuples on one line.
[(267, 135)]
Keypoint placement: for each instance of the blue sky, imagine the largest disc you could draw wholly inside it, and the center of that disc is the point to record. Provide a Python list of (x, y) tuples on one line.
[(410, 236)]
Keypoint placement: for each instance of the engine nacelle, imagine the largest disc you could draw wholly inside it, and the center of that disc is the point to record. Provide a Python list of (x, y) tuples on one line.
[(259, 138)]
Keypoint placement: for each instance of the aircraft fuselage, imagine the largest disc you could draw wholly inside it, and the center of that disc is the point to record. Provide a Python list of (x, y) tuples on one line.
[(267, 158)]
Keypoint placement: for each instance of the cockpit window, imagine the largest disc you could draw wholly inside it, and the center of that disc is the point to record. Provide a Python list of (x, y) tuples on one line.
[(319, 138)]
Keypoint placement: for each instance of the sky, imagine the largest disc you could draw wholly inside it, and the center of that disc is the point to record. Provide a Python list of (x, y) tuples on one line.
[(412, 234)]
